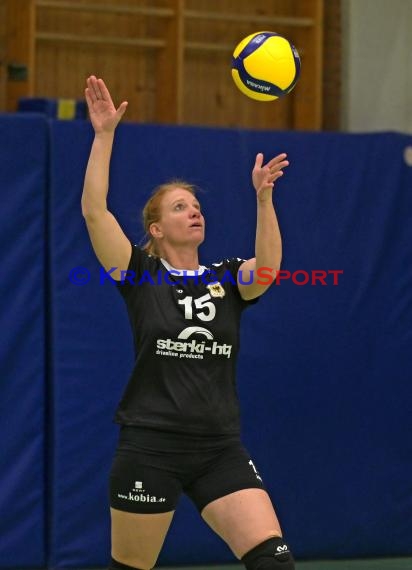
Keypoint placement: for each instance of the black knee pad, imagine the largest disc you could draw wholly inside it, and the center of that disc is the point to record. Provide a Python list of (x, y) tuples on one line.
[(273, 554), (114, 565)]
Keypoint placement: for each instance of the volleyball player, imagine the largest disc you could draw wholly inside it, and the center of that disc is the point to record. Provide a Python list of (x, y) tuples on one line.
[(179, 413)]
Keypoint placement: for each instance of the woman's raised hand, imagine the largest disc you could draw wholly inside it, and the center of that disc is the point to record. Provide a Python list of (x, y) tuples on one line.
[(265, 176), (103, 114)]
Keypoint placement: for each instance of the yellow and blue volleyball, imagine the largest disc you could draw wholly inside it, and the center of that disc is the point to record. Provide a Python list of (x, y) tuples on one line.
[(265, 66)]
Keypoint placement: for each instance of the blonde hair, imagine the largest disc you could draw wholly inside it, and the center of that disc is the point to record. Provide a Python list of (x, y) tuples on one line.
[(152, 209)]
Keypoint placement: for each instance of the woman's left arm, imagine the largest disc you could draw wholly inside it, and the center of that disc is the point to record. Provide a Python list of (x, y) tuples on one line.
[(268, 245)]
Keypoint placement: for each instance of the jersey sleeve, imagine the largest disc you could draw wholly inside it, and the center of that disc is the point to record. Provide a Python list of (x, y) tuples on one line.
[(230, 268), (140, 264)]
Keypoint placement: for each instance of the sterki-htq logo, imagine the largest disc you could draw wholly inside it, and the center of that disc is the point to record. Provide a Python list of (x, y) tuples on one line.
[(183, 348)]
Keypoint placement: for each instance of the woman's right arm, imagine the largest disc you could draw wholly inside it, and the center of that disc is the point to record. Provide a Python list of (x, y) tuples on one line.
[(111, 246)]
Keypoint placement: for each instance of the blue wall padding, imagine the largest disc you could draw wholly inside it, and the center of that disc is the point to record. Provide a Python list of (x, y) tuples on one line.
[(325, 371), (335, 422), (23, 188), (85, 337)]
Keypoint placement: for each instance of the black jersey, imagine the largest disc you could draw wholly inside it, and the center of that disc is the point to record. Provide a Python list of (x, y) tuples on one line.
[(186, 336)]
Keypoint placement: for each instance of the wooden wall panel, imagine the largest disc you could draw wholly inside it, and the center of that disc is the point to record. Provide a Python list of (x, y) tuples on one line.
[(2, 56), (66, 55), (264, 8), (171, 59), (62, 72), (169, 69), (210, 95), (20, 51), (307, 111), (332, 66)]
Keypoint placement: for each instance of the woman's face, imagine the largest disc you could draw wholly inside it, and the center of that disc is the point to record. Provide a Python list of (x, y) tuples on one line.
[(181, 221)]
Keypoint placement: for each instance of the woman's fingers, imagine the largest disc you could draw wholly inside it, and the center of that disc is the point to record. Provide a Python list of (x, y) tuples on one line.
[(279, 166), (259, 160), (97, 89), (89, 99), (105, 95), (121, 110), (277, 159), (94, 88), (91, 86)]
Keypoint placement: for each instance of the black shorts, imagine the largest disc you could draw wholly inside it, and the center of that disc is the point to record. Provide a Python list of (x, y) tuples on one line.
[(151, 470)]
